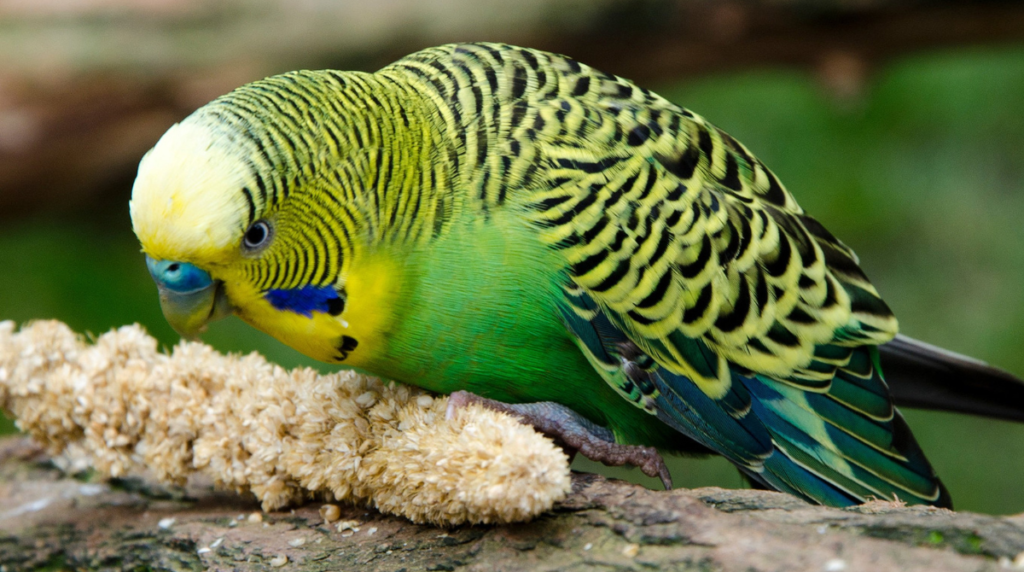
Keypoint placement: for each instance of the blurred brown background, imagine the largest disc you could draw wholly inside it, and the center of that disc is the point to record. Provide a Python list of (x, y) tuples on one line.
[(897, 123)]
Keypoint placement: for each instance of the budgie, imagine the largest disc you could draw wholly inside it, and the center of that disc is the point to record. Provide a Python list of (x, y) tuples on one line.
[(532, 234)]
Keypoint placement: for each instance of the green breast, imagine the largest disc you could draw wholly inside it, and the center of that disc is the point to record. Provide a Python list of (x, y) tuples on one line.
[(478, 313)]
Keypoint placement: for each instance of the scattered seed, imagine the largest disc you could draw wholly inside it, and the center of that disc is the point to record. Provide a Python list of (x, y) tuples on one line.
[(279, 561), (166, 523), (835, 565), (203, 550), (217, 542), (588, 546), (296, 542), (256, 517), (330, 513), (631, 550), (344, 525)]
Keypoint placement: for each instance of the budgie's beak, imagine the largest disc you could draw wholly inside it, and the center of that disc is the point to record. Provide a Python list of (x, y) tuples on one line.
[(189, 297)]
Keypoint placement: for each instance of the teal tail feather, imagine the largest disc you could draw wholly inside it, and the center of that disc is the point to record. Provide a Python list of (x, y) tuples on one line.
[(846, 452), (813, 445), (839, 442)]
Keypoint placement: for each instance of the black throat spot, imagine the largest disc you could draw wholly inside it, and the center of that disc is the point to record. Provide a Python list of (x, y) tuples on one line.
[(347, 344)]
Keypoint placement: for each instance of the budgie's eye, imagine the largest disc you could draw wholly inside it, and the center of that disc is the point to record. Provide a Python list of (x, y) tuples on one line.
[(257, 235)]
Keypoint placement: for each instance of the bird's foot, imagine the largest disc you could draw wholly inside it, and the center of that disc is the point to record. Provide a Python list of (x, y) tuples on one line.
[(573, 432)]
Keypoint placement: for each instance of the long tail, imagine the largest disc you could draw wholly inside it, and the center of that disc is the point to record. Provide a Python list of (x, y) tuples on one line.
[(924, 376)]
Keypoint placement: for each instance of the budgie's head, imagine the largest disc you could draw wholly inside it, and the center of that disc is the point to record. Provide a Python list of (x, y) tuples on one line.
[(232, 215)]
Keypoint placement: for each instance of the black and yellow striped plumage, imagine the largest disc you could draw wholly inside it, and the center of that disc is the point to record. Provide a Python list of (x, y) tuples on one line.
[(610, 219), (678, 240), (661, 217)]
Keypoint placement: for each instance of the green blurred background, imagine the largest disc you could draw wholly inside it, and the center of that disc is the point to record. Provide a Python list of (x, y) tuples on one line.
[(919, 167)]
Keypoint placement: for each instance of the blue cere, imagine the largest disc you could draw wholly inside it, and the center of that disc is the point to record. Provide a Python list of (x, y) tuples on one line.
[(305, 300), (180, 277)]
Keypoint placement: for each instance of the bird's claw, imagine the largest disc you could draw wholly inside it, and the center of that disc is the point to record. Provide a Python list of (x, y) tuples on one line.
[(573, 432)]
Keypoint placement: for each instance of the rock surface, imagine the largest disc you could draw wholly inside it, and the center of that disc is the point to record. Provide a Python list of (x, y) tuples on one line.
[(52, 521)]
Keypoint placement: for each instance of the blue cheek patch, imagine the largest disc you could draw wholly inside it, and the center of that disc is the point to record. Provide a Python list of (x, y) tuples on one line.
[(307, 300)]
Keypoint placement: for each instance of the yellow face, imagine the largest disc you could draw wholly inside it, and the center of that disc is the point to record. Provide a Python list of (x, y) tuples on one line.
[(187, 203), (214, 248)]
